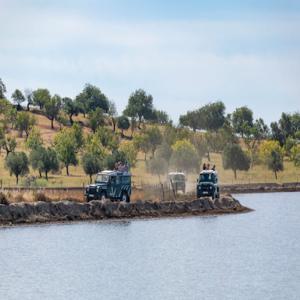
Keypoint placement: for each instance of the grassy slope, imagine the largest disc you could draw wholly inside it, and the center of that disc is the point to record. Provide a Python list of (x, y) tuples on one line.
[(78, 178)]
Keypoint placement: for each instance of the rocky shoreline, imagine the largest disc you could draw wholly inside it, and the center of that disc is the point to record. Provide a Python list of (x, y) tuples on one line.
[(62, 211), (260, 188)]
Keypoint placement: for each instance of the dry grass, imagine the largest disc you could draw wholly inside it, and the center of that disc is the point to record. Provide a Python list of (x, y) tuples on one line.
[(77, 178)]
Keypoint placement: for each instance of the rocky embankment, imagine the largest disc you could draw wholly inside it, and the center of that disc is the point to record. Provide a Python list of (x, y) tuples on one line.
[(41, 212), (260, 188)]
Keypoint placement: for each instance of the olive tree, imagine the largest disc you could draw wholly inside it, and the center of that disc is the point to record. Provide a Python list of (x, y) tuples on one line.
[(123, 124), (271, 154), (17, 164), (154, 137), (113, 114), (91, 98), (66, 148), (92, 164), (140, 106), (52, 108), (235, 158), (71, 108), (24, 123), (96, 119), (40, 97), (18, 98), (8, 143)]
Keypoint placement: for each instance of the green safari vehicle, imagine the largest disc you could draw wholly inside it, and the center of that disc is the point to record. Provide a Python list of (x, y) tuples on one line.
[(113, 185), (207, 184)]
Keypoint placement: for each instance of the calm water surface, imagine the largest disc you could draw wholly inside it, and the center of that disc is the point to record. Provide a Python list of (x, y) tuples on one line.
[(246, 256)]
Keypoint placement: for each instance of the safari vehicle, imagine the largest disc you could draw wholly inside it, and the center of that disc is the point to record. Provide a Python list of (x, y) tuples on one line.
[(207, 184), (114, 185), (177, 181)]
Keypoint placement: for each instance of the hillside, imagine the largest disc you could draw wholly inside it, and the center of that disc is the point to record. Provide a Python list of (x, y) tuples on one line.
[(78, 178)]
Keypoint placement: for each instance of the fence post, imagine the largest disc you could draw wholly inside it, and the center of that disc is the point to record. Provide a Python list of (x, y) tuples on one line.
[(163, 192), (174, 193)]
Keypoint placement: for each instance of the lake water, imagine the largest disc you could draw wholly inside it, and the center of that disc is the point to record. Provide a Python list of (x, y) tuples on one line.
[(244, 256)]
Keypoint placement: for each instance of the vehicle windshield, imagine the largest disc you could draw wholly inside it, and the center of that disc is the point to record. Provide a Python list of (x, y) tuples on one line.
[(207, 178), (102, 178), (177, 177)]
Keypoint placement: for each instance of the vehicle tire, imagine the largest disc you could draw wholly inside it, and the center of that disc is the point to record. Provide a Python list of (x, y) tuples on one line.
[(87, 199), (125, 197)]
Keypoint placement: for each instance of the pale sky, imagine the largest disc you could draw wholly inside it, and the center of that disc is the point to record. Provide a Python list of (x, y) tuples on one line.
[(185, 53)]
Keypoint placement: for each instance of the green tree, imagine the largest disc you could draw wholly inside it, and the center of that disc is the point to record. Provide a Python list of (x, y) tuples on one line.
[(52, 108), (213, 115), (235, 158), (66, 148), (29, 98), (286, 125), (271, 154), (92, 98), (2, 89), (253, 136), (123, 124), (44, 160), (91, 164), (62, 119), (96, 119), (8, 143), (71, 108), (161, 117), (184, 156), (154, 136), (112, 112), (77, 134), (140, 106), (10, 117), (50, 161), (107, 138), (275, 162), (24, 123), (17, 164), (40, 97), (18, 98), (36, 159), (130, 151), (34, 139), (277, 134), (242, 120), (192, 119)]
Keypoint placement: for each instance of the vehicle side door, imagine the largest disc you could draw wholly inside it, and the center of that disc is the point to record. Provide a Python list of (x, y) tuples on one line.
[(111, 188)]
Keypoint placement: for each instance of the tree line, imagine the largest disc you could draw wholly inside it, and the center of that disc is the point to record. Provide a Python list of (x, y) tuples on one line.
[(242, 141)]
